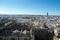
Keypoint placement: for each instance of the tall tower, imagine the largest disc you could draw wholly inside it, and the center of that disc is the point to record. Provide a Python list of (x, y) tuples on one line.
[(47, 14)]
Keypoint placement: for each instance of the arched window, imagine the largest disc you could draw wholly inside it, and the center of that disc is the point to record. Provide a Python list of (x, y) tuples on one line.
[(25, 39), (1, 39), (12, 38)]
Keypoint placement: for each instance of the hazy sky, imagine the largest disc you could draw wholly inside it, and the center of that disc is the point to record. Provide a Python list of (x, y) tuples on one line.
[(33, 7)]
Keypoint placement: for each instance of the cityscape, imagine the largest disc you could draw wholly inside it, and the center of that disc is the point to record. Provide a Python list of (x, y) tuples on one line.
[(29, 19), (29, 27)]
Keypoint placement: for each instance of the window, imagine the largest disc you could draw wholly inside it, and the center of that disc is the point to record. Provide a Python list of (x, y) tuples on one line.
[(1, 39), (12, 38)]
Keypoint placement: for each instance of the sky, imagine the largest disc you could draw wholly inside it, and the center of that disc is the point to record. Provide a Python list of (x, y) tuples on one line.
[(30, 7)]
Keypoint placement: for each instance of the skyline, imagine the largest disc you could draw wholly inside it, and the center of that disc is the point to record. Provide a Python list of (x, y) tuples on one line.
[(30, 7)]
